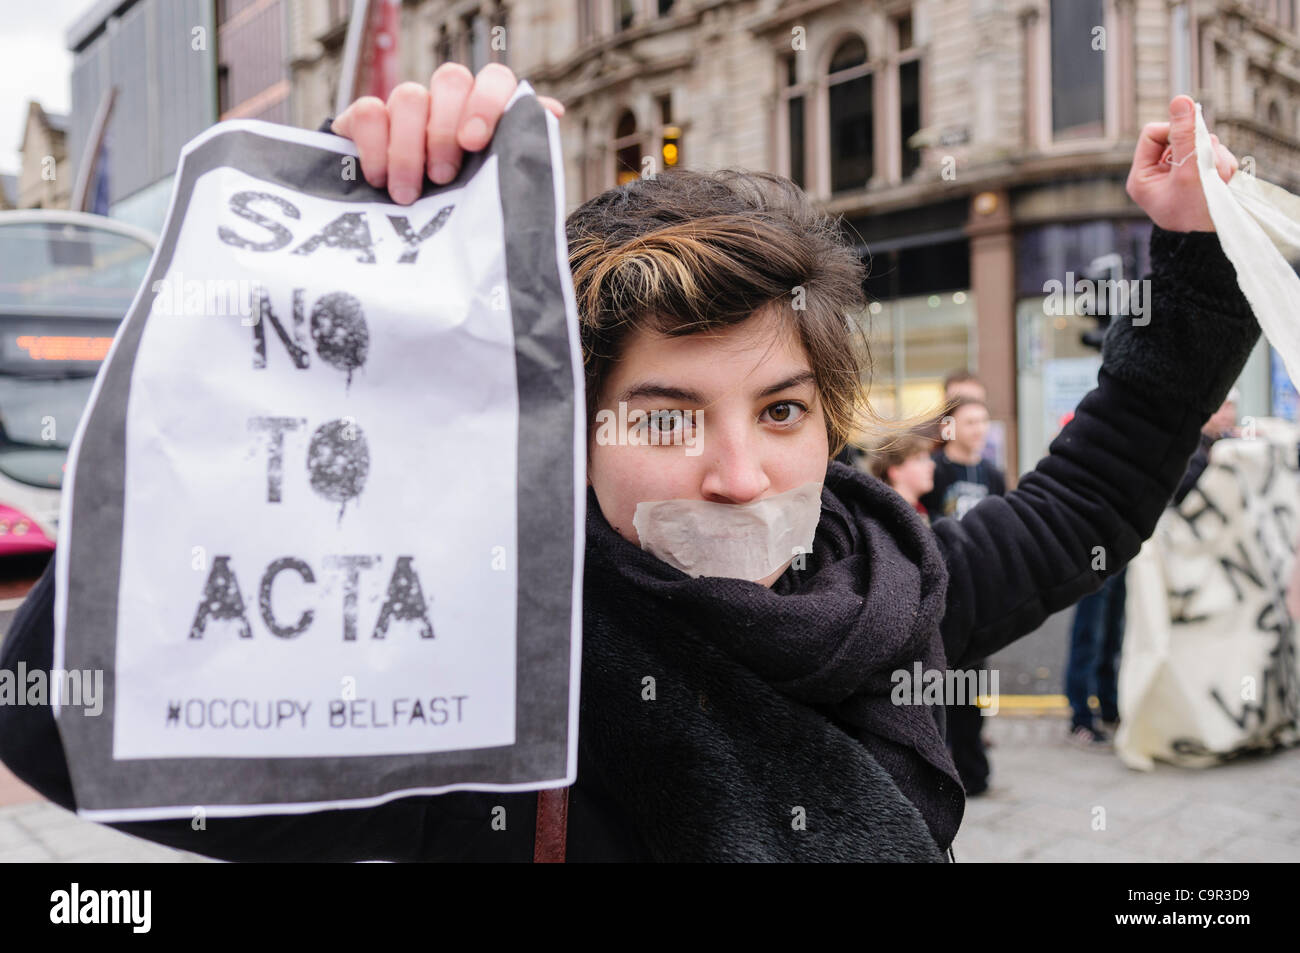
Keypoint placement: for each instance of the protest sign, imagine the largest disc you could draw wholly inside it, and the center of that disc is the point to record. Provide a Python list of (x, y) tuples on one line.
[(325, 511), (1209, 668)]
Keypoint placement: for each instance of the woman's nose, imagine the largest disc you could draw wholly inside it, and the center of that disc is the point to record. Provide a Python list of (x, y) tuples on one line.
[(734, 471)]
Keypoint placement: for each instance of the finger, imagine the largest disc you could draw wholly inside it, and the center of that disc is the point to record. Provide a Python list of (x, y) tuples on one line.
[(408, 117), (1224, 161), (1152, 143), (1182, 130), (365, 122), (554, 105), (448, 92), (493, 87), (1232, 159)]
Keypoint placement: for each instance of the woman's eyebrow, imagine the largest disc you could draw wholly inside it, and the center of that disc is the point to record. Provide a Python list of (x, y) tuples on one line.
[(795, 380), (654, 389)]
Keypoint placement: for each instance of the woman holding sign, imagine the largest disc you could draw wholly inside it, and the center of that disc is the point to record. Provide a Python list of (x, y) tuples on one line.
[(763, 701)]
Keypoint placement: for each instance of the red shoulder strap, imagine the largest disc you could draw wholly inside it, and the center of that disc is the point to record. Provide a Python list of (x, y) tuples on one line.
[(552, 826)]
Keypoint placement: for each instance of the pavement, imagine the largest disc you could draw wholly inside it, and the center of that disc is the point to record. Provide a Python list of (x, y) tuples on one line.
[(32, 830), (1049, 801)]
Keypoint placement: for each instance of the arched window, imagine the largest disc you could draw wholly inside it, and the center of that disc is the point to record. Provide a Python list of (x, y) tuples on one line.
[(850, 53), (627, 149), (851, 116)]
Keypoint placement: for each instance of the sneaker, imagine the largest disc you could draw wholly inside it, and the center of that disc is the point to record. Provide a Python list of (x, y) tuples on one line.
[(1110, 727), (1081, 736)]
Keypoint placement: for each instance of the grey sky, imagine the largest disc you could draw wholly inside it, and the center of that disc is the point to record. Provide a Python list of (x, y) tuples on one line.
[(33, 65)]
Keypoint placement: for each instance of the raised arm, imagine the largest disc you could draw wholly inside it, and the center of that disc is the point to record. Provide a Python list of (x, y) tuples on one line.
[(1084, 511)]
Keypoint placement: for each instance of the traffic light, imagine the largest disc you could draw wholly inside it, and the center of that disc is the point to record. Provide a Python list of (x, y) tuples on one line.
[(671, 152)]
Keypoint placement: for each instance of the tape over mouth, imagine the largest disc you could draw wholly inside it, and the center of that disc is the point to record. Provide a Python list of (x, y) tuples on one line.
[(731, 540)]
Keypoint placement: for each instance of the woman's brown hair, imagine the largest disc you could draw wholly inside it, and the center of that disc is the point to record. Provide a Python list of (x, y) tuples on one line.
[(684, 251)]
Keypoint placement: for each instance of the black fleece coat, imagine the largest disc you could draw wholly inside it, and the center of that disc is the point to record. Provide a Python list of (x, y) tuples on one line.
[(1009, 563)]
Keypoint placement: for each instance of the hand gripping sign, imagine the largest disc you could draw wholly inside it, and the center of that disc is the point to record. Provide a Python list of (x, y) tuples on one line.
[(326, 544)]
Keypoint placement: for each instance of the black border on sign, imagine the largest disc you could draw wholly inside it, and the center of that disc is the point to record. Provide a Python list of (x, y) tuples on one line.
[(545, 543)]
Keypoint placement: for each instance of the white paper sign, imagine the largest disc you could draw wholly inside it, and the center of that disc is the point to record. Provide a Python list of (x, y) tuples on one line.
[(326, 507)]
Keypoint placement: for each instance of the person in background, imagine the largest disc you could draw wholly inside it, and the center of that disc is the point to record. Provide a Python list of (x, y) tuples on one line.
[(958, 384), (962, 477), (963, 383), (1096, 636), (906, 465), (1097, 632), (1222, 424)]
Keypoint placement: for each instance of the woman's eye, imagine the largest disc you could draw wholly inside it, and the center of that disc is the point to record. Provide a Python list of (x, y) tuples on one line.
[(786, 412), (665, 422)]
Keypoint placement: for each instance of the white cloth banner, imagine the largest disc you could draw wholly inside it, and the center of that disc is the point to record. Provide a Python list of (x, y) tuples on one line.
[(326, 509), (1209, 668), (1259, 230)]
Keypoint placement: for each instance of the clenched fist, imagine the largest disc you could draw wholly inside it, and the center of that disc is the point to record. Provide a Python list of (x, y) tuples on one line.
[(1164, 179)]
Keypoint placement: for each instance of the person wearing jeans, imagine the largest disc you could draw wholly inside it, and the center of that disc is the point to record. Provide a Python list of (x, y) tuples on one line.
[(1095, 641)]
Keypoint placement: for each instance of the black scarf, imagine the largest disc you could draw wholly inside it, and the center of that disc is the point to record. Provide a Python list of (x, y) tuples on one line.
[(729, 721)]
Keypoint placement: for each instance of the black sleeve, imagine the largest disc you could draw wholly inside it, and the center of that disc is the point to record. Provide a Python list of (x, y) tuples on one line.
[(456, 826), (1195, 467), (1085, 510), (997, 482)]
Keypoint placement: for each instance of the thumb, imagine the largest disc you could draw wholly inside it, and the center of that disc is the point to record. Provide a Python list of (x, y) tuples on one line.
[(1182, 126)]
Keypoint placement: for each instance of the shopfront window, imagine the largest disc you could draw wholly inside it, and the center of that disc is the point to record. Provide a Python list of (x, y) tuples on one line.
[(920, 317), (1055, 368), (915, 342)]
